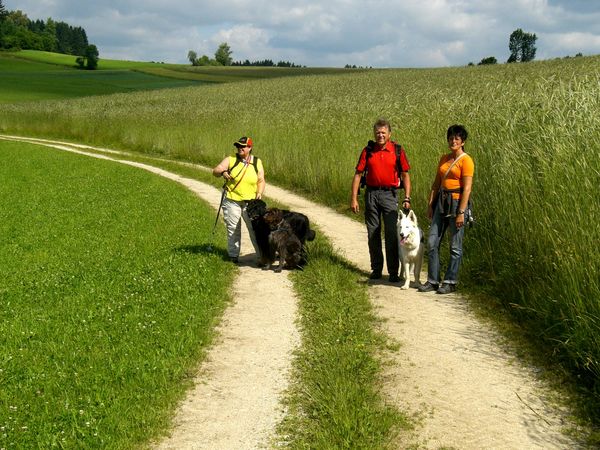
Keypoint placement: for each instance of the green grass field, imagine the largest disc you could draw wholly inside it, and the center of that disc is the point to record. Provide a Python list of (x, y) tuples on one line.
[(106, 296)]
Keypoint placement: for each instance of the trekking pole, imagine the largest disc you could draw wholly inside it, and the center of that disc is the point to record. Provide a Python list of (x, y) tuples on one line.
[(212, 235)]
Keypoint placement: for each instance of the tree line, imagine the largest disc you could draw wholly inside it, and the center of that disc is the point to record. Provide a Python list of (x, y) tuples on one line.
[(223, 58), (18, 32), (264, 63)]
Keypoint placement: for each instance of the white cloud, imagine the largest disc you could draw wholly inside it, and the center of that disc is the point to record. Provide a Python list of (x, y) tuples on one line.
[(571, 43), (244, 40), (338, 32)]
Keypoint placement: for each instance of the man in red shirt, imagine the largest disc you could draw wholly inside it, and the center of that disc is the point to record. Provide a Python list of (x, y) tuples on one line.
[(385, 175)]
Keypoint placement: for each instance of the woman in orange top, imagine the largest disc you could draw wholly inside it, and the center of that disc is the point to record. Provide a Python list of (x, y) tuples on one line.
[(448, 201)]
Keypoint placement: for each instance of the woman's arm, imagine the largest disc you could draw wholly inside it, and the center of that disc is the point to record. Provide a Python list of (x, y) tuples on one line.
[(221, 169), (260, 183), (467, 184)]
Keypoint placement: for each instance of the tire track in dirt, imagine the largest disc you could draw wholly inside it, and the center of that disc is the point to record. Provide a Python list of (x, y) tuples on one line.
[(450, 371)]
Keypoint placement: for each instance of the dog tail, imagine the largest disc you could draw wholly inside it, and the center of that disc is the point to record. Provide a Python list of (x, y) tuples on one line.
[(310, 235)]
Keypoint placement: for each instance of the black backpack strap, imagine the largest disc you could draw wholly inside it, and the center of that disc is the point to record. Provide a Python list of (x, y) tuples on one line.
[(237, 161), (398, 157), (363, 178), (399, 163)]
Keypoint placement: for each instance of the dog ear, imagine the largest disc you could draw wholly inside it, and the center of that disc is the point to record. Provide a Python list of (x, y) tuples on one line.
[(413, 216)]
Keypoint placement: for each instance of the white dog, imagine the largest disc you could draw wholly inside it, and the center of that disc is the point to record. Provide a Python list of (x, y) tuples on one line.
[(412, 247)]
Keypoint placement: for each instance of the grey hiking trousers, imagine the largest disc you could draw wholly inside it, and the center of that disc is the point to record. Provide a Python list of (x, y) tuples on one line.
[(381, 208)]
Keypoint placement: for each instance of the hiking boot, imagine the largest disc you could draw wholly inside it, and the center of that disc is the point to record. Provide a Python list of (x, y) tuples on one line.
[(234, 259), (428, 287), (375, 275), (446, 288), (394, 278)]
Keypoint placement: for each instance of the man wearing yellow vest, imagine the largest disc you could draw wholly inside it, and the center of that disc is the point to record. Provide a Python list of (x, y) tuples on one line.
[(245, 180)]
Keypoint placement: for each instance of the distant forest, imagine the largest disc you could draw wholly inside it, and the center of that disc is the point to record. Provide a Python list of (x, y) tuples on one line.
[(265, 63), (18, 32)]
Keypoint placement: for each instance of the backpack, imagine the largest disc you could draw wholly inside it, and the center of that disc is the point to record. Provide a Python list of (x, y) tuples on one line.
[(370, 147)]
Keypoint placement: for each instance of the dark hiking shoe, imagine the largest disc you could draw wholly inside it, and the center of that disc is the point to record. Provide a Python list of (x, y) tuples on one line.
[(234, 259), (394, 278), (428, 287), (446, 288), (375, 275)]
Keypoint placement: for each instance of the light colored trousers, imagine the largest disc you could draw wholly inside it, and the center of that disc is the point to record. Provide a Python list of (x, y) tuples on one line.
[(232, 213)]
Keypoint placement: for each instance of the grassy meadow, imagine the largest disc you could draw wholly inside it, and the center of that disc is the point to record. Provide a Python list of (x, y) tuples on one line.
[(107, 296), (534, 135)]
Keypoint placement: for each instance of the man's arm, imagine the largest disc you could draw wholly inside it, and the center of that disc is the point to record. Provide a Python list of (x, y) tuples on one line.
[(355, 187), (405, 177)]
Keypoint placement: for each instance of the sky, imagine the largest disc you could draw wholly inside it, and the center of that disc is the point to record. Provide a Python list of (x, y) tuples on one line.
[(327, 33)]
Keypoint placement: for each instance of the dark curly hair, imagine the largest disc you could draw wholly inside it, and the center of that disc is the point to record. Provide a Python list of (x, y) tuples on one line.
[(457, 130)]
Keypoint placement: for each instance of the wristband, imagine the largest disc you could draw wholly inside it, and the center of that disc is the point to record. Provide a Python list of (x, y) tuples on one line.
[(406, 199), (460, 211)]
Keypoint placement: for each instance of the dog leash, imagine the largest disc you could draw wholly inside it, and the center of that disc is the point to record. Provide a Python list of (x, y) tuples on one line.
[(212, 235)]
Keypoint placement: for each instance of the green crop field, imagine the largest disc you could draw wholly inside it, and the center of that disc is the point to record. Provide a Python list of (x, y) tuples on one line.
[(27, 80), (534, 136), (206, 74)]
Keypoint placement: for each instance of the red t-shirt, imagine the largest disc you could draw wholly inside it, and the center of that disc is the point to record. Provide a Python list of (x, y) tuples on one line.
[(382, 165)]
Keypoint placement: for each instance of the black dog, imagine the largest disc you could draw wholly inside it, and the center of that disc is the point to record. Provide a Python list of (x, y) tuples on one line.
[(298, 222), (266, 220), (256, 210), (283, 242)]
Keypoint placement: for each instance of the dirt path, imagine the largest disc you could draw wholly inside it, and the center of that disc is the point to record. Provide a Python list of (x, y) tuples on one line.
[(450, 371)]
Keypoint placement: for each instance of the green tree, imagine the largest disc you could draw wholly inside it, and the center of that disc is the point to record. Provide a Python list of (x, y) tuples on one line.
[(49, 36), (19, 18), (193, 57), (488, 60), (4, 25), (92, 56), (3, 12), (79, 41), (204, 61), (522, 46), (223, 55), (90, 59)]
